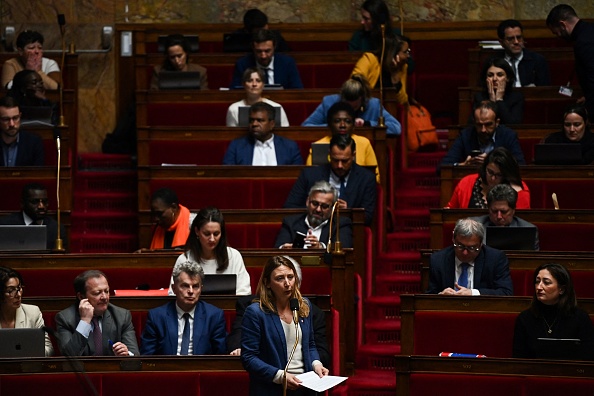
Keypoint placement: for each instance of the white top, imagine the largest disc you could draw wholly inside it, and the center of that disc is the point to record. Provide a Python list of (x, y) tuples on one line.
[(233, 112), (264, 153), (236, 266)]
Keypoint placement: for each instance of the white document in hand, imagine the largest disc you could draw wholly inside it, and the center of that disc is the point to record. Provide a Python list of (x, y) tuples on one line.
[(312, 381)]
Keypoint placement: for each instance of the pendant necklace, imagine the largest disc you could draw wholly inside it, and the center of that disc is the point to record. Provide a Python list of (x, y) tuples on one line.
[(550, 327)]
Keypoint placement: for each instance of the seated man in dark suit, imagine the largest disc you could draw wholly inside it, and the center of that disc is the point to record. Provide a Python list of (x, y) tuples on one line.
[(253, 20), (501, 201), (260, 146), (277, 68), (531, 68), (475, 142), (314, 224), (34, 205), (92, 326), (318, 321), (203, 324), (356, 185), (19, 148), (469, 268)]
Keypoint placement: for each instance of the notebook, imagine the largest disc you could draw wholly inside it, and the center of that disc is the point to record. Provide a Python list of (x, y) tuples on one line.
[(319, 153), (22, 343), (194, 42), (558, 154), (22, 237), (169, 79), (219, 284), (244, 116), (560, 348), (36, 115), (511, 238)]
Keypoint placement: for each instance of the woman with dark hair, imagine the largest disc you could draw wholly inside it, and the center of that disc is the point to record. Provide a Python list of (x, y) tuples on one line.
[(171, 219), (356, 92), (499, 166), (207, 245), (497, 80), (374, 13), (393, 72), (27, 89), (553, 313), (576, 130), (13, 313), (253, 83), (268, 333), (177, 58)]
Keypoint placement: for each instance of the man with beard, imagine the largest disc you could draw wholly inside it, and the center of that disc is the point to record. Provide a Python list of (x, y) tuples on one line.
[(314, 224), (260, 146), (34, 205), (19, 148)]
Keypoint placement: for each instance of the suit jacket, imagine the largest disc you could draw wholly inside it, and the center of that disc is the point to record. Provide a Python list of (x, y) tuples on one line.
[(318, 322), (491, 272), (510, 109), (29, 152), (468, 141), (285, 71), (294, 223), (533, 69), (29, 317), (516, 222), (51, 228), (361, 189), (160, 332), (241, 151), (264, 349), (117, 326)]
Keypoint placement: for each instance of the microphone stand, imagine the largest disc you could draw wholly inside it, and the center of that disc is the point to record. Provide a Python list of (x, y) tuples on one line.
[(295, 309), (380, 121), (58, 245), (337, 244)]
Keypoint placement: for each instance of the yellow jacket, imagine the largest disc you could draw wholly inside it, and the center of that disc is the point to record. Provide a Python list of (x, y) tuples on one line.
[(368, 65)]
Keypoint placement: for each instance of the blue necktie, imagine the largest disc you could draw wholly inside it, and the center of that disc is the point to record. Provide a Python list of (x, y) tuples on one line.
[(97, 337), (342, 191), (463, 280), (185, 346)]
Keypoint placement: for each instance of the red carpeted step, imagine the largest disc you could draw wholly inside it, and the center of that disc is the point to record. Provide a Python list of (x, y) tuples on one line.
[(383, 307), (398, 284), (105, 161), (381, 331), (398, 262), (422, 178), (120, 202), (417, 199), (377, 357), (411, 241), (96, 223), (107, 181), (411, 219), (429, 160), (371, 383), (102, 243)]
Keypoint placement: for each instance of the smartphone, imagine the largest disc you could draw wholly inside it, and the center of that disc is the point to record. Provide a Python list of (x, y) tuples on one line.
[(474, 153), (299, 240)]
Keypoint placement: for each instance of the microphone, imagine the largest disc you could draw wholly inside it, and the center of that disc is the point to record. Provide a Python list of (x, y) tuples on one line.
[(337, 244), (294, 304), (295, 308)]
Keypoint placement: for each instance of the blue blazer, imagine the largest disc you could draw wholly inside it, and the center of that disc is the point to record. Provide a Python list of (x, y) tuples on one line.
[(160, 332), (491, 272), (285, 71), (29, 152), (361, 190), (241, 151), (264, 348), (370, 115)]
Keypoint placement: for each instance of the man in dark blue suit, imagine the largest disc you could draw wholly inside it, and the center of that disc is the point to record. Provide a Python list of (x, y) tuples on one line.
[(260, 146), (314, 224), (19, 148), (277, 68), (469, 268), (203, 324), (475, 142), (355, 184)]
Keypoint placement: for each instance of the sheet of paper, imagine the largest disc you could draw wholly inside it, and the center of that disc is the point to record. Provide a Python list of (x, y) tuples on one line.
[(312, 381)]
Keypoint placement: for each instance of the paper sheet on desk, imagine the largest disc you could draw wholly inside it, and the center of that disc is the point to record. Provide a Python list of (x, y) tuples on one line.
[(312, 381)]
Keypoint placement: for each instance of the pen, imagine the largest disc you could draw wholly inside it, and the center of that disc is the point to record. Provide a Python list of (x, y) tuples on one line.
[(110, 343)]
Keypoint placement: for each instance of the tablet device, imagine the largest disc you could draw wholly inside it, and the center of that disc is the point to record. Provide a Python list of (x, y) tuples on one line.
[(22, 343), (36, 115), (558, 154), (22, 237), (511, 238), (319, 153), (217, 284), (243, 117), (299, 240), (169, 79)]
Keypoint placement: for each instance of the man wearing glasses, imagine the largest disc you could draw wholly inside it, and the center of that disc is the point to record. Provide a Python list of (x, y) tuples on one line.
[(313, 225), (531, 68), (19, 148), (469, 268), (34, 206)]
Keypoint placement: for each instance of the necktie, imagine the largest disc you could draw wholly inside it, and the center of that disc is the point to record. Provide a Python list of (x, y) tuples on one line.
[(185, 346), (463, 280), (97, 337), (265, 70), (342, 192), (514, 65)]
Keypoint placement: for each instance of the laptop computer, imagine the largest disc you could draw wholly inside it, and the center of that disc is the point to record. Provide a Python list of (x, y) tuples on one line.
[(192, 39), (558, 154), (319, 153), (169, 79), (36, 115), (216, 284), (511, 238), (22, 343), (244, 116), (22, 237), (560, 348)]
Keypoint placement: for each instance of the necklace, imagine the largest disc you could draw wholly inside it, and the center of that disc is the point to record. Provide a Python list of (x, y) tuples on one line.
[(550, 327)]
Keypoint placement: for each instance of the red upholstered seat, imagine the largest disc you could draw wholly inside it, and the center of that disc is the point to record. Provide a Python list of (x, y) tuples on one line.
[(453, 384), (70, 384), (205, 152)]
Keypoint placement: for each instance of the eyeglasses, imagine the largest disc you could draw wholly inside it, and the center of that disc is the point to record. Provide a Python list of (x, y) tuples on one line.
[(15, 118), (12, 291), (471, 249), (315, 204), (493, 174)]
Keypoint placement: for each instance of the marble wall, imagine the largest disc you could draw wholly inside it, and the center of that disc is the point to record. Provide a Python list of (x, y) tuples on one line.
[(85, 19)]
